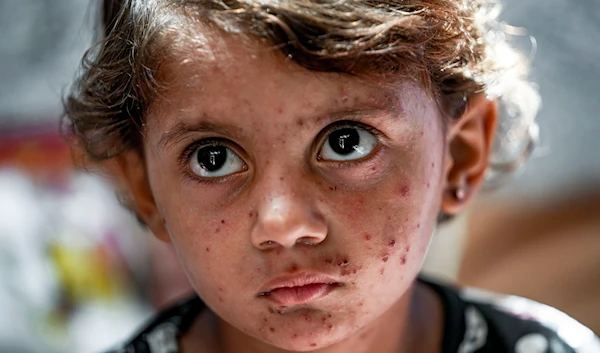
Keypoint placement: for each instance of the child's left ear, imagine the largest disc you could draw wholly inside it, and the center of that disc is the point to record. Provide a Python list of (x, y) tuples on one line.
[(469, 141)]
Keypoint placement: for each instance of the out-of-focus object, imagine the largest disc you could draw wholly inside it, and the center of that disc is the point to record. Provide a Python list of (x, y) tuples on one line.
[(72, 261), (547, 250)]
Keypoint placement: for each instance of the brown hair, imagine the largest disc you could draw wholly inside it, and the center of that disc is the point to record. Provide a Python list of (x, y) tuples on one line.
[(445, 44)]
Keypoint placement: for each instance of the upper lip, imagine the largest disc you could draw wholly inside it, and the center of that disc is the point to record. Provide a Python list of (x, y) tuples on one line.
[(297, 280)]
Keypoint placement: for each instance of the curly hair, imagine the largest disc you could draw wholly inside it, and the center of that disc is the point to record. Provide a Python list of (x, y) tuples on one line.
[(454, 48)]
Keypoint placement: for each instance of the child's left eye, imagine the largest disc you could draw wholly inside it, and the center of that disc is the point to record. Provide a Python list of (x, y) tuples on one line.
[(348, 143)]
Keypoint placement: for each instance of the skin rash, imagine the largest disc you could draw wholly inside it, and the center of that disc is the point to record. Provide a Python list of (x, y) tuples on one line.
[(370, 219)]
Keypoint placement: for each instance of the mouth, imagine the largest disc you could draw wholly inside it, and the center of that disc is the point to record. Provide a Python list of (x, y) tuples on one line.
[(299, 289)]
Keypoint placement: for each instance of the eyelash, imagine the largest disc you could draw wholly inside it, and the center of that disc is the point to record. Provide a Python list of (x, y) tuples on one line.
[(350, 123)]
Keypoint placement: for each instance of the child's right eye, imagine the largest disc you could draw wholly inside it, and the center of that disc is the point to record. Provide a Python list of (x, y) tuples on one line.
[(214, 160)]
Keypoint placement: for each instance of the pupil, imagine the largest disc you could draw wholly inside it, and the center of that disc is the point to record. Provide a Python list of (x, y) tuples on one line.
[(212, 158), (344, 141)]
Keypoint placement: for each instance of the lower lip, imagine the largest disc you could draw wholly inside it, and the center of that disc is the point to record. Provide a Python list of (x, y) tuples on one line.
[(289, 296)]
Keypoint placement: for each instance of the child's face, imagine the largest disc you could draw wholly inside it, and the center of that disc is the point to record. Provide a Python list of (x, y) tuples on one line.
[(250, 157)]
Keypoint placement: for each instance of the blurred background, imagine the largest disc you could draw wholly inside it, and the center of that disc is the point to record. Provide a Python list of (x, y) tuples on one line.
[(78, 274)]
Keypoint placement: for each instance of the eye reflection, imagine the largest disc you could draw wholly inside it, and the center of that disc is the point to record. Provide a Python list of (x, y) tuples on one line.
[(348, 143), (215, 160)]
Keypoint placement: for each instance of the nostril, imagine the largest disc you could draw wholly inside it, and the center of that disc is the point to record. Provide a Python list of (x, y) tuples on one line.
[(307, 241), (269, 244)]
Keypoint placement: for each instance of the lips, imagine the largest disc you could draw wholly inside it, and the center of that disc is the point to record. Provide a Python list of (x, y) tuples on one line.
[(299, 289)]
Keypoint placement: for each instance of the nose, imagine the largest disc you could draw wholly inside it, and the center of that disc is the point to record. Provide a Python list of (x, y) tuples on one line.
[(286, 220)]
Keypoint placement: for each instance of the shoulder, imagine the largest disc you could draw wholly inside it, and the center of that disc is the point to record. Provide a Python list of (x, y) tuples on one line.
[(525, 326), (160, 334)]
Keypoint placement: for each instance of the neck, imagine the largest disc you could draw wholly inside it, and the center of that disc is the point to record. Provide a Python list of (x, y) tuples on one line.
[(413, 324)]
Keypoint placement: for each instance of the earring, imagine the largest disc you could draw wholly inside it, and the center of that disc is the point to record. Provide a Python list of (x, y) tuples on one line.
[(460, 193)]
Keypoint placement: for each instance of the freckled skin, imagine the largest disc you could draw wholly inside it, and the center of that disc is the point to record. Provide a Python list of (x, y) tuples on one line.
[(379, 200)]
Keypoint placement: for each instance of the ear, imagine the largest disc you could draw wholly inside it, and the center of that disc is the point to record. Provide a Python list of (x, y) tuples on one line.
[(469, 141), (130, 176)]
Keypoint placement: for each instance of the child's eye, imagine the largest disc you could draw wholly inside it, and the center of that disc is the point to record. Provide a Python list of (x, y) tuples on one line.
[(348, 143), (215, 160)]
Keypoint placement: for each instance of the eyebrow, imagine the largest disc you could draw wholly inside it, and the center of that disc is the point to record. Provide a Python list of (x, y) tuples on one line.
[(181, 129)]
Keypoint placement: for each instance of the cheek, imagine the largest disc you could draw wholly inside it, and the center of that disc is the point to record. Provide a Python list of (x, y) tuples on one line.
[(390, 224), (210, 245)]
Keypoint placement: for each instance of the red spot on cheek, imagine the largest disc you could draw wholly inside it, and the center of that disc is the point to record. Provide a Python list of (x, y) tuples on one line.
[(300, 122), (403, 259), (404, 191), (222, 221), (385, 258), (207, 249), (313, 344), (294, 336), (307, 317), (392, 243), (217, 230), (368, 237), (271, 329), (221, 299), (346, 270), (342, 262), (250, 214), (381, 271)]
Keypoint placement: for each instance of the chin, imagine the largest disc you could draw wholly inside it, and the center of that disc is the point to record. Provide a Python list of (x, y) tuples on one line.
[(306, 341)]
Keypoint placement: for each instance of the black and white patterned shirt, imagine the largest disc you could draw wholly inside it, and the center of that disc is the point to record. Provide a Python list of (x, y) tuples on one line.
[(475, 322)]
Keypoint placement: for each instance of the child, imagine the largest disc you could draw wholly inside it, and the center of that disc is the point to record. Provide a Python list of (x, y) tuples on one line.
[(298, 155)]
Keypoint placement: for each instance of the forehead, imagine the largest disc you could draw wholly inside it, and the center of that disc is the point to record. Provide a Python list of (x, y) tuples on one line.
[(220, 74)]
